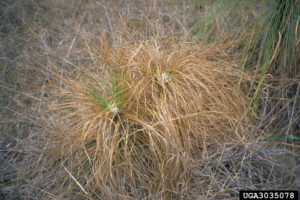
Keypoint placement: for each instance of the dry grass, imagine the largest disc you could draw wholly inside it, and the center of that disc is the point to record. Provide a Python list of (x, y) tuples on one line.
[(143, 114), (129, 124), (135, 122)]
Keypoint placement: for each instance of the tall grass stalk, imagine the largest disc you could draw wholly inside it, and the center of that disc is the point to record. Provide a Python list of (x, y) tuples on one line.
[(267, 33)]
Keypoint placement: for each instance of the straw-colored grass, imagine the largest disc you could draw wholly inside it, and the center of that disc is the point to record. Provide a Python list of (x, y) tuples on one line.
[(146, 115), (130, 124)]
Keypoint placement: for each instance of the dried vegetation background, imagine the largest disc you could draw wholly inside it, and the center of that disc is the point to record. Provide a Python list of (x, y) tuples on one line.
[(127, 100)]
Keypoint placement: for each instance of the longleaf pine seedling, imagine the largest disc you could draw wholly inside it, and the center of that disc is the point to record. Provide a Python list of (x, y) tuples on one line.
[(113, 99)]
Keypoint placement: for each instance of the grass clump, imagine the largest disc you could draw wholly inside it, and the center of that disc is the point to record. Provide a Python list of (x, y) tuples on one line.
[(130, 125)]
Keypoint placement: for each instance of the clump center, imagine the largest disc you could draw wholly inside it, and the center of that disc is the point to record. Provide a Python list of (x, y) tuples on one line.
[(113, 108)]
